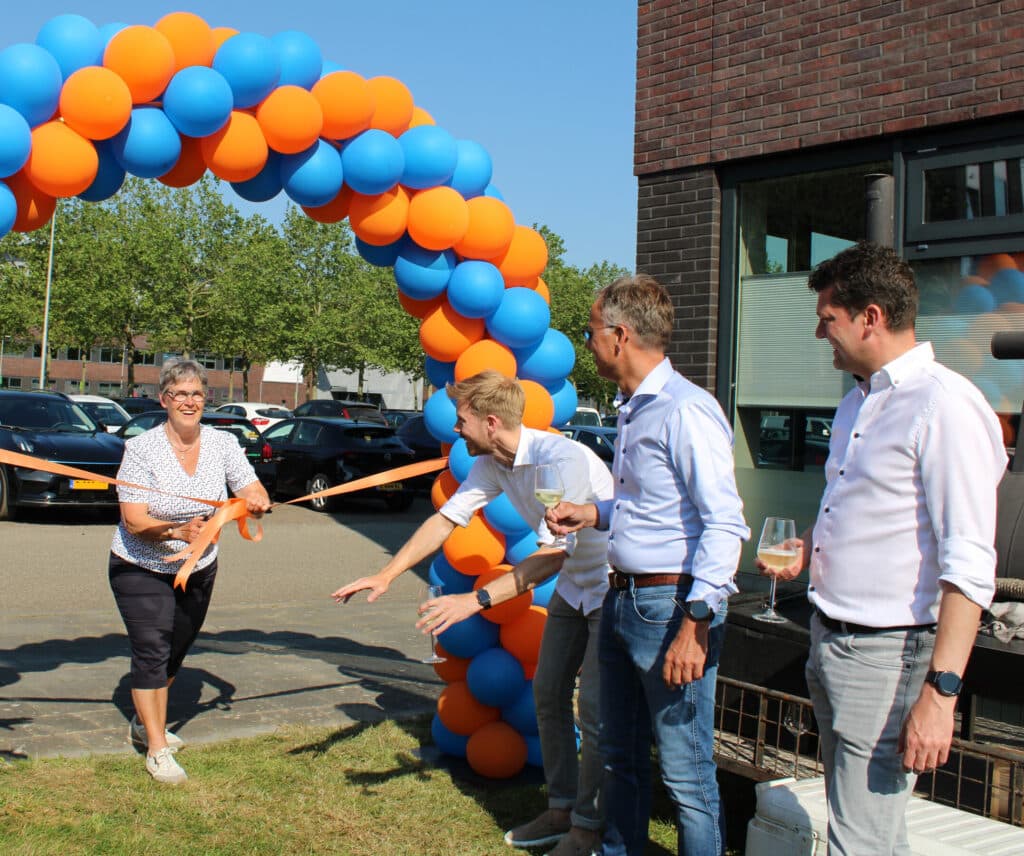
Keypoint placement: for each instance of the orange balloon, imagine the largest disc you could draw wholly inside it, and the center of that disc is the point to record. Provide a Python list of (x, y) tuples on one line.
[(438, 218), (541, 288), (444, 334), (291, 119), (490, 229), (221, 35), (444, 486), (1018, 259), (991, 265), (191, 39), (393, 106), (379, 220), (190, 166), (446, 448), (453, 668), (421, 117), (540, 407), (496, 751), (420, 308), (510, 610), (143, 58), (334, 211), (525, 258), (475, 548), (460, 712), (347, 103), (485, 354), (34, 207), (521, 638), (62, 162), (238, 151), (95, 102)]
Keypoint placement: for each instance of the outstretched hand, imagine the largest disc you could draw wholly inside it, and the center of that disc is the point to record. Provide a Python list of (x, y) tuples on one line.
[(440, 613), (375, 584)]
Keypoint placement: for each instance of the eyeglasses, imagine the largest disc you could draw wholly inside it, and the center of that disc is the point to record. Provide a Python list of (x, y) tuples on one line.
[(181, 397), (588, 334)]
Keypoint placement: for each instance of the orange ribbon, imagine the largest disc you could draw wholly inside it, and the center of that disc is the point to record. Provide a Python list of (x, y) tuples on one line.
[(227, 510)]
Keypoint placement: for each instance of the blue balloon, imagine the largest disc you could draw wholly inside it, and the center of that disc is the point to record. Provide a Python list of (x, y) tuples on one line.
[(473, 171), (373, 162), (523, 546), (384, 256), (300, 57), (521, 713), (521, 319), (263, 186), (8, 209), (566, 401), (452, 581), (422, 274), (460, 462), (468, 638), (109, 176), (542, 593), (198, 101), (534, 757), (493, 192), (438, 373), (250, 65), (1008, 286), (148, 146), (446, 740), (108, 31), (15, 141), (439, 417), (74, 42), (974, 300), (549, 361), (502, 515), (30, 82), (330, 66), (495, 677), (430, 156), (312, 177), (475, 289)]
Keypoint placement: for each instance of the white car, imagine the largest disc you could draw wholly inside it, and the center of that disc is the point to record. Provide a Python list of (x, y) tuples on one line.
[(262, 415), (101, 409)]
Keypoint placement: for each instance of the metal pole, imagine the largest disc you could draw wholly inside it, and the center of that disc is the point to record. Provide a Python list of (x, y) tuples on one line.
[(46, 309), (3, 341)]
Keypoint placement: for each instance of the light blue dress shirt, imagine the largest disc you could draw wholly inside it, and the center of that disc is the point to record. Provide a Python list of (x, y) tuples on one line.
[(676, 509)]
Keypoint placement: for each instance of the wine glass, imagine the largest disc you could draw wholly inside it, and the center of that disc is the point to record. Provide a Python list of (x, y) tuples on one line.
[(777, 549), (433, 592), (549, 490)]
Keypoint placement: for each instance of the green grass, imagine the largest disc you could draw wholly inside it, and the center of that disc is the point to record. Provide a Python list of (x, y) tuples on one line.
[(361, 791)]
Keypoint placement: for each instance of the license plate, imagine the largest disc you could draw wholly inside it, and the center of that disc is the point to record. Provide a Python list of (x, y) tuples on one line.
[(390, 486), (87, 484)]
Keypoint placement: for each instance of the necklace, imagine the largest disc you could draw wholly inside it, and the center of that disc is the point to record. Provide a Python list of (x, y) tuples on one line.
[(184, 450)]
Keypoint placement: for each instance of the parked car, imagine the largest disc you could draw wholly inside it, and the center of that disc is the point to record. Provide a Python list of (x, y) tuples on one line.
[(598, 439), (425, 447), (313, 453), (263, 416), (51, 426), (610, 421), (103, 410), (586, 416), (138, 404), (396, 418), (337, 408), (241, 428)]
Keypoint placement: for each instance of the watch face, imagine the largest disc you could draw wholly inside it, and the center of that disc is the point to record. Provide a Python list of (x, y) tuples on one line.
[(698, 610), (947, 683)]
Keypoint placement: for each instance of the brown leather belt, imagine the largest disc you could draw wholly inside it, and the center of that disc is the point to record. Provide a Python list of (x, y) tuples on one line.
[(849, 627), (619, 580)]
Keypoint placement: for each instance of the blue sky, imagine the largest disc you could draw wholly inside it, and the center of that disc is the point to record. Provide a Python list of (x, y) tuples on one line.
[(546, 86)]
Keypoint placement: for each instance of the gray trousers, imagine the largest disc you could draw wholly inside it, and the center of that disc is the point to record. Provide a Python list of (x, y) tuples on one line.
[(569, 647)]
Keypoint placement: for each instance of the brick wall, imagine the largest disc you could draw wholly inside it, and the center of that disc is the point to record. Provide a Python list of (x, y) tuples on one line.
[(727, 79)]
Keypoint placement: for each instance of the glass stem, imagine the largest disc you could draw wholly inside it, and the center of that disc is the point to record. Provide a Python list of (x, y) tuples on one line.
[(771, 595)]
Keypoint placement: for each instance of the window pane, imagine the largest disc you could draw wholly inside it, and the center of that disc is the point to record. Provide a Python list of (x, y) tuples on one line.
[(968, 191)]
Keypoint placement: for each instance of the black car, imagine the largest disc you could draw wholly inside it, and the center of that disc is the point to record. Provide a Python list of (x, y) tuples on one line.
[(51, 426), (425, 446), (310, 454), (396, 418), (599, 440), (139, 404), (357, 411), (242, 429)]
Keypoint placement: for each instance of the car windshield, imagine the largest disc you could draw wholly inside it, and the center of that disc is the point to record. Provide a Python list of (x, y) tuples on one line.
[(45, 414), (274, 412), (108, 414)]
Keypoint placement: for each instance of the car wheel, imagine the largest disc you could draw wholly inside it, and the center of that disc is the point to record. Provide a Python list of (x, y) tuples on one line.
[(6, 506), (398, 501), (316, 484)]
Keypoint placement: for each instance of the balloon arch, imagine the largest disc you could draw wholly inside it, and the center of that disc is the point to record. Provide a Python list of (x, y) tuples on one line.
[(84, 105)]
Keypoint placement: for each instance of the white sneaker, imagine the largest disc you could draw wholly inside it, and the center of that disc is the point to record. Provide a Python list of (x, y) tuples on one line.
[(137, 734), (164, 768)]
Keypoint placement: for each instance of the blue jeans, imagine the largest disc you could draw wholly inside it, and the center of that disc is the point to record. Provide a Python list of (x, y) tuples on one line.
[(637, 626)]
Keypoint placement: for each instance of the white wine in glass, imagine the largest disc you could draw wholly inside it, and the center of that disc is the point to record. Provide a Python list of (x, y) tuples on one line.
[(776, 549), (549, 490), (433, 592)]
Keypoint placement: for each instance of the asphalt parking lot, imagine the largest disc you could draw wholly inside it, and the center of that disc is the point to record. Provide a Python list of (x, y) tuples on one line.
[(275, 648)]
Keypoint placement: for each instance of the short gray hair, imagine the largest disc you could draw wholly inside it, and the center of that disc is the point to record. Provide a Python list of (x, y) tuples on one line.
[(177, 368), (641, 303)]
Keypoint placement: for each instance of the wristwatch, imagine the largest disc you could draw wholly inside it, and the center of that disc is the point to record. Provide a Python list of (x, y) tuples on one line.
[(947, 683), (483, 597), (698, 610)]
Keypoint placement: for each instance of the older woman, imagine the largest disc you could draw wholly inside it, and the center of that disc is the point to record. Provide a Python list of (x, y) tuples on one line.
[(184, 458)]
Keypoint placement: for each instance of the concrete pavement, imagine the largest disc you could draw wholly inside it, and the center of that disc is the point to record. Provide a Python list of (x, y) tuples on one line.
[(275, 648)]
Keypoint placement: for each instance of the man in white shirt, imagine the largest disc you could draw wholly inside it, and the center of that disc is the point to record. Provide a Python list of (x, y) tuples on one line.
[(489, 410), (901, 557)]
